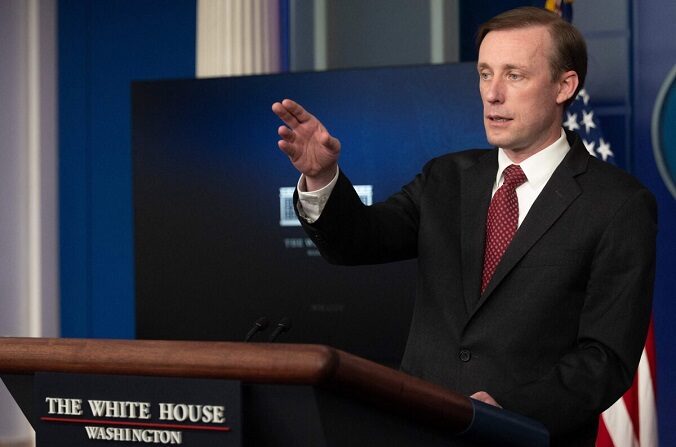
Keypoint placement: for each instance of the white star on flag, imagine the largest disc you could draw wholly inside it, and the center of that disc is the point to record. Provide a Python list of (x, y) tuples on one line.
[(588, 120), (604, 150), (581, 118), (590, 146), (571, 122)]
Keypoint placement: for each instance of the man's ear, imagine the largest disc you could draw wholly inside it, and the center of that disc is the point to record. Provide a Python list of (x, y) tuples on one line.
[(568, 83)]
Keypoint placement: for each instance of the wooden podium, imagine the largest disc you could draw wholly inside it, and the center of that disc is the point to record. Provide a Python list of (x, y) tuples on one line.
[(292, 394)]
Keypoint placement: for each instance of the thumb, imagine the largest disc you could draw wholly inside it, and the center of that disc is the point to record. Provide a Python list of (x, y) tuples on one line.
[(331, 143)]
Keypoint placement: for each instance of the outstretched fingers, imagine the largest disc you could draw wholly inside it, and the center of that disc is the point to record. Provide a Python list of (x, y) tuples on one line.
[(285, 115), (296, 110), (287, 148), (286, 133), (304, 139), (286, 144), (291, 113)]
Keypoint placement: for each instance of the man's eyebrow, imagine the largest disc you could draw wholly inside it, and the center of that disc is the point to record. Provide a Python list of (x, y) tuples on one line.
[(482, 65), (515, 67)]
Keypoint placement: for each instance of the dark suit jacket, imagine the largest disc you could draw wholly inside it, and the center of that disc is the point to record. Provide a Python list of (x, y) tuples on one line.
[(558, 333)]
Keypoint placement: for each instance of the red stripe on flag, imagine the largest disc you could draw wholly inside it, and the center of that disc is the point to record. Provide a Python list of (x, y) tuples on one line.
[(635, 404), (630, 399), (650, 352), (603, 437)]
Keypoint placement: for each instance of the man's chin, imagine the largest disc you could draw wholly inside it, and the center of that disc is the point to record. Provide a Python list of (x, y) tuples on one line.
[(496, 141)]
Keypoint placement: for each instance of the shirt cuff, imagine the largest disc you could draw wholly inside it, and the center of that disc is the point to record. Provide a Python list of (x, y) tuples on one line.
[(311, 203)]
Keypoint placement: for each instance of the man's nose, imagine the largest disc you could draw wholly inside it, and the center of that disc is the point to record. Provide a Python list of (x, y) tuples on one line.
[(494, 91)]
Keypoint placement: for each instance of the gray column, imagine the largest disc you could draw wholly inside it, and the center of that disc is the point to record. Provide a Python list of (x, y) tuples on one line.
[(28, 185)]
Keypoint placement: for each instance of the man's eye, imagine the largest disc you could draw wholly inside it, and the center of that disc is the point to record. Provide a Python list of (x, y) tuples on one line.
[(513, 77)]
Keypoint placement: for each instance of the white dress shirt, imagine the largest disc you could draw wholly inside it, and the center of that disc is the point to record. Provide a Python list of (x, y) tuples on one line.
[(538, 169), (311, 203)]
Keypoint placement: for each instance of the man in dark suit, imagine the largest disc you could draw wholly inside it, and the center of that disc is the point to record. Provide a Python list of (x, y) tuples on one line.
[(536, 260)]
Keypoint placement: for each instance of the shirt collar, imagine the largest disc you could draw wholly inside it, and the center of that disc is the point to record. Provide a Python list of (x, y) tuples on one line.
[(540, 166)]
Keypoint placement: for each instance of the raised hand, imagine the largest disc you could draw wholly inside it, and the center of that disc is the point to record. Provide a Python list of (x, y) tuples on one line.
[(307, 143)]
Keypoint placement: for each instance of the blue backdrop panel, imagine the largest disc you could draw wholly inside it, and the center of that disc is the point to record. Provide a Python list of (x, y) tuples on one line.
[(211, 255), (655, 58), (103, 46)]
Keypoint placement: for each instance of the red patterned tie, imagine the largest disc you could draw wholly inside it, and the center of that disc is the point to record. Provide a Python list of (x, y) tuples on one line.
[(503, 218)]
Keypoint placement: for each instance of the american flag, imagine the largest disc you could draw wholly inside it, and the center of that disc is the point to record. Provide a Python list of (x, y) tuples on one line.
[(564, 8), (632, 420), (580, 118)]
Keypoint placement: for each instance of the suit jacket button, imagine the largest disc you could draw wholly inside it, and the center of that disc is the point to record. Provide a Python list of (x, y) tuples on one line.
[(465, 355)]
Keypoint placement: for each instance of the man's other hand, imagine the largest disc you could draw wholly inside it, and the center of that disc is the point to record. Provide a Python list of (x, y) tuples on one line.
[(485, 398), (307, 143)]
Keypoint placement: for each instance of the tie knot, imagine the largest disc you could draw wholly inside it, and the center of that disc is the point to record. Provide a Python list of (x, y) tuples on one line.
[(514, 176)]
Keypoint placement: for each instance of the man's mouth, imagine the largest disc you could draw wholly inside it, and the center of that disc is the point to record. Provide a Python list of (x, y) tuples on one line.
[(498, 118)]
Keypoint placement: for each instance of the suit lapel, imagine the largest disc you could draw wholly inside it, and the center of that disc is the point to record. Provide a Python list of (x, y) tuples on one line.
[(477, 184), (561, 190)]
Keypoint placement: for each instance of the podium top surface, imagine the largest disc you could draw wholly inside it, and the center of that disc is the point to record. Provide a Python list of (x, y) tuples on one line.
[(292, 364)]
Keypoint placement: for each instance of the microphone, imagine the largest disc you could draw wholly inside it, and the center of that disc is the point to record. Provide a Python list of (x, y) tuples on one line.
[(260, 325), (283, 326)]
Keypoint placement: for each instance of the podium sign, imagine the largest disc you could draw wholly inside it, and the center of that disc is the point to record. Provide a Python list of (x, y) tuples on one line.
[(78, 410)]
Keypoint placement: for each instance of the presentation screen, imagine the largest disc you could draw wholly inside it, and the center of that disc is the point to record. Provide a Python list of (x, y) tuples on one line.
[(217, 244)]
